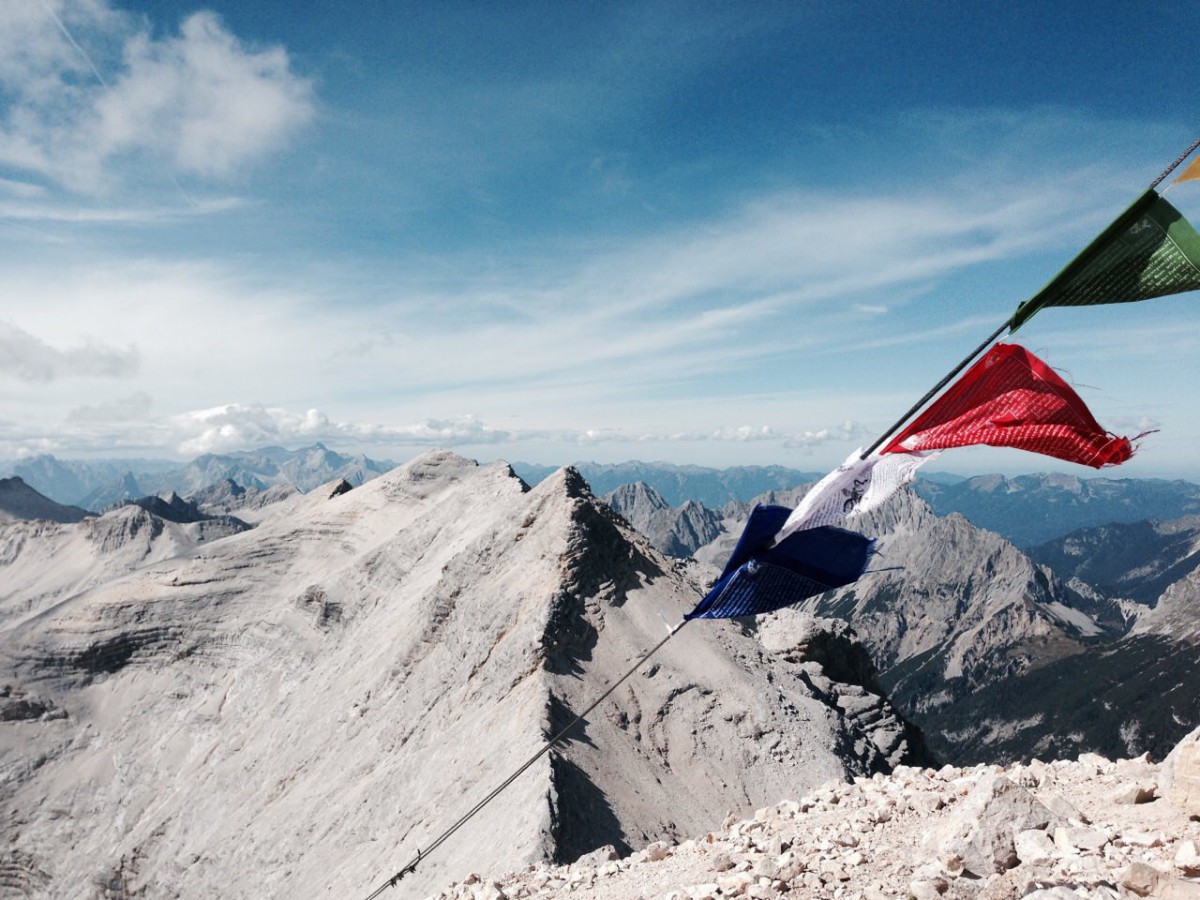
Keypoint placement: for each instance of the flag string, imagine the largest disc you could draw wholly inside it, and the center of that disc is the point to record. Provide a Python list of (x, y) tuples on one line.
[(933, 390), (470, 814), (1175, 165), (1007, 325)]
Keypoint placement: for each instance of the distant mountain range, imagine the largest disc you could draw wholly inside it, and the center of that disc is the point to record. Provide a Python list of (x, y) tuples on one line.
[(19, 501), (677, 485), (1027, 510), (1033, 509), (103, 484)]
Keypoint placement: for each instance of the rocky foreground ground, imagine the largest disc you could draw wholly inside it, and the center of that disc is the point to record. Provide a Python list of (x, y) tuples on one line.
[(1090, 828)]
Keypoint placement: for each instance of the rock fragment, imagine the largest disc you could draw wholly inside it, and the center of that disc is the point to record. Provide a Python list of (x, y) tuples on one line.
[(983, 827), (1179, 775), (1033, 846), (1187, 859)]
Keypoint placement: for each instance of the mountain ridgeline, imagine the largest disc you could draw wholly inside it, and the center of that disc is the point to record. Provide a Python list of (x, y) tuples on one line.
[(97, 485), (1033, 509), (1083, 640)]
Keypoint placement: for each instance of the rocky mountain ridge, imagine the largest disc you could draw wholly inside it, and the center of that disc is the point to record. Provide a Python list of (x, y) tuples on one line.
[(678, 484), (285, 709), (1028, 509), (1032, 509), (19, 501), (1134, 561), (677, 532)]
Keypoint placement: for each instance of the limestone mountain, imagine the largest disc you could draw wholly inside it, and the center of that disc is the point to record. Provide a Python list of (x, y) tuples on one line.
[(1176, 614), (1136, 561), (19, 501), (100, 484), (299, 708), (305, 468), (950, 609), (174, 508), (113, 493), (42, 563), (71, 481), (227, 496), (674, 531)]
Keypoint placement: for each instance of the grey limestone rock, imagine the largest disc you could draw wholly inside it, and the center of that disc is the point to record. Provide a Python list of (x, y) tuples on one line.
[(1179, 776), (983, 828)]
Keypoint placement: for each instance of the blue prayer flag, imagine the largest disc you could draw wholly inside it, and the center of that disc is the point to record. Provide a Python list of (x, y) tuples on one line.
[(759, 577)]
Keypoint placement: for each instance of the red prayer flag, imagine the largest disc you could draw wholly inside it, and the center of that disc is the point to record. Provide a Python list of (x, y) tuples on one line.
[(1010, 398)]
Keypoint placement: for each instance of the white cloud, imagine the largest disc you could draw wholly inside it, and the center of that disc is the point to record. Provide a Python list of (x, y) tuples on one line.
[(30, 359), (236, 426), (20, 189), (200, 102), (807, 440)]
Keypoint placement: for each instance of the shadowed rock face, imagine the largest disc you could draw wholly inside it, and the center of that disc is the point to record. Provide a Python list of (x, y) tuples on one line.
[(301, 707), (19, 501), (1136, 561)]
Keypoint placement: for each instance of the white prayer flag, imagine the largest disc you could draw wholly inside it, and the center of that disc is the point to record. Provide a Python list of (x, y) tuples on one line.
[(855, 487)]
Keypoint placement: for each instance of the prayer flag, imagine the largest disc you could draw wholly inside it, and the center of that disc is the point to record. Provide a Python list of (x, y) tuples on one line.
[(1010, 398), (1150, 250), (764, 574), (855, 487), (1191, 173)]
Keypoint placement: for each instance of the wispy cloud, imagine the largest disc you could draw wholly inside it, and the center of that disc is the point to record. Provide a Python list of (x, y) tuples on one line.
[(74, 213), (30, 359), (781, 276), (232, 426), (91, 88)]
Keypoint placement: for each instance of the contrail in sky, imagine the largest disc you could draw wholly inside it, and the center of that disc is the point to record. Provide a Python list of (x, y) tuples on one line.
[(78, 49)]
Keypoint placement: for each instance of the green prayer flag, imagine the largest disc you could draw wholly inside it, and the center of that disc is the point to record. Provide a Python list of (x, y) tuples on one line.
[(1150, 250)]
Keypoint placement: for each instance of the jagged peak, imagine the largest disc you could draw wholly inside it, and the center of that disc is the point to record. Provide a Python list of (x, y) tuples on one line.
[(635, 493), (566, 481)]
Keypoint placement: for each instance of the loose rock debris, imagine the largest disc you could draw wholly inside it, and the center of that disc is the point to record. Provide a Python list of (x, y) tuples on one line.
[(1092, 829)]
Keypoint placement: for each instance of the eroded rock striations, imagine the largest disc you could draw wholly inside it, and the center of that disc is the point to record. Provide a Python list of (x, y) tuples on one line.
[(300, 708)]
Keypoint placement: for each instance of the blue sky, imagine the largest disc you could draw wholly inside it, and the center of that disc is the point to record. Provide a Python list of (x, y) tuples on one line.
[(714, 233)]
